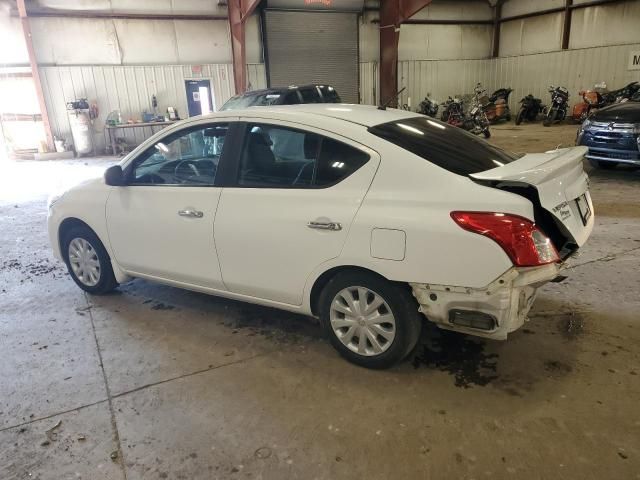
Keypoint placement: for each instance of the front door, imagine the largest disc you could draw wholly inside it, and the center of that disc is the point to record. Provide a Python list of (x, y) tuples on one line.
[(161, 223), (199, 97), (290, 208)]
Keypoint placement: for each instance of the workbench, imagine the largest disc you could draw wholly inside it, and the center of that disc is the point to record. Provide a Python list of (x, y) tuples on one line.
[(111, 129)]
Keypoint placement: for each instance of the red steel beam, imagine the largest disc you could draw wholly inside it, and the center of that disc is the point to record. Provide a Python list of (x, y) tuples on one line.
[(392, 14), (33, 62), (239, 10)]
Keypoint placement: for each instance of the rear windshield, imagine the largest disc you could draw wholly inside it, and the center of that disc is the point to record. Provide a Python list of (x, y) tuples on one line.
[(447, 146)]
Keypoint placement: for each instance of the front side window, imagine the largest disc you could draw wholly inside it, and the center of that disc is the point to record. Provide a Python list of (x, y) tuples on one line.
[(188, 157), (281, 157), (444, 145)]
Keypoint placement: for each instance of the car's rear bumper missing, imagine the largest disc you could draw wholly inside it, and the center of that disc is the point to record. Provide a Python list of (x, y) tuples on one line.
[(492, 311)]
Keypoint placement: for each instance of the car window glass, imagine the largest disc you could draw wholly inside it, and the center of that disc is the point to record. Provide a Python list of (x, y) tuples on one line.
[(444, 145), (310, 95), (291, 98), (330, 95), (280, 157), (188, 157)]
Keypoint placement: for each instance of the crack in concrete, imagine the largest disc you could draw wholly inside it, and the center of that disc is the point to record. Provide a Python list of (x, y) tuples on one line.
[(606, 258), (114, 423), (191, 374), (46, 417)]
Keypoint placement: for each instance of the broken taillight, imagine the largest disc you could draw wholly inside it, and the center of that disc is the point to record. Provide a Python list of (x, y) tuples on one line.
[(524, 243)]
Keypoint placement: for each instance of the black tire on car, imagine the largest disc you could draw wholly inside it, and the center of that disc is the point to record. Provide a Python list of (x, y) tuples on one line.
[(87, 261), (393, 342), (607, 165)]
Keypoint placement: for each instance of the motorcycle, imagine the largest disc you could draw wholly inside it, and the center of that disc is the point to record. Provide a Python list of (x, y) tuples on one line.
[(559, 104), (452, 112), (475, 122), (530, 107), (428, 107), (623, 94), (591, 99), (496, 106)]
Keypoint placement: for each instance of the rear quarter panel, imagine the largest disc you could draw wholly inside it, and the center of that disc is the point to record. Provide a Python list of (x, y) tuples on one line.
[(411, 194)]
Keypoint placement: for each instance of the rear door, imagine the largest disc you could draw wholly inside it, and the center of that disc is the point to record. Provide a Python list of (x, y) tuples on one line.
[(294, 194)]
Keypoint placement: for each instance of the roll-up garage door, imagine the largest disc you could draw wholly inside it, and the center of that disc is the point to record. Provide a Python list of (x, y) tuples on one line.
[(313, 47)]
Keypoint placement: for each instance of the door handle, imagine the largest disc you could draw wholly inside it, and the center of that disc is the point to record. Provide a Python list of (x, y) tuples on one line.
[(190, 213), (335, 226)]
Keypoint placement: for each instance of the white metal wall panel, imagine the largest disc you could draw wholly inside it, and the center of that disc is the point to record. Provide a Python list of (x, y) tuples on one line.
[(313, 47), (369, 83), (129, 89)]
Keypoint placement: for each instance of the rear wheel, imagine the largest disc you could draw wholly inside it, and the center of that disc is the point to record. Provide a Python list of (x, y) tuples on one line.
[(607, 165), (486, 133), (372, 322), (87, 261), (520, 116)]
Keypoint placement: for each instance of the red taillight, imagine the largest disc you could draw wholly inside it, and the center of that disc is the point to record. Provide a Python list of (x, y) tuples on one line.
[(526, 244)]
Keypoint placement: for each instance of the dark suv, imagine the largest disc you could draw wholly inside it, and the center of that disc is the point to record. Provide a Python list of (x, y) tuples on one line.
[(612, 135), (291, 95)]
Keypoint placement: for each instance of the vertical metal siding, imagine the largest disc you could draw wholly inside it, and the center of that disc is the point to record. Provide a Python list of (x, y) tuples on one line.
[(129, 89), (574, 69), (369, 83)]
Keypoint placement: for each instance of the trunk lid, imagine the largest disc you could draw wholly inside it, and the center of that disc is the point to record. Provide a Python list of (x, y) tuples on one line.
[(561, 183)]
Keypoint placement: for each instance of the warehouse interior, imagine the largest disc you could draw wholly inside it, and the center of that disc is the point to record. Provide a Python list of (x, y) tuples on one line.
[(153, 381)]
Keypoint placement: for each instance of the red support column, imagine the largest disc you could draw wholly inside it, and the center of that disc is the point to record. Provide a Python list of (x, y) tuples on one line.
[(33, 62), (392, 14), (239, 10)]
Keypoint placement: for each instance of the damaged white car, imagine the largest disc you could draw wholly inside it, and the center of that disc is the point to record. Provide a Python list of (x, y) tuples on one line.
[(372, 220)]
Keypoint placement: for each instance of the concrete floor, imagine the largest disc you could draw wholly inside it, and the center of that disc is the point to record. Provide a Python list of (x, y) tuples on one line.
[(154, 382)]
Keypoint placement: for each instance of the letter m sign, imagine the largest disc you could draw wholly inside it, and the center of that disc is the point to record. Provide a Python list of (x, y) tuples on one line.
[(634, 61)]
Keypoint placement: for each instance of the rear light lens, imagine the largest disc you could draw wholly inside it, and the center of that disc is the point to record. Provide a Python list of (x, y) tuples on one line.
[(524, 243)]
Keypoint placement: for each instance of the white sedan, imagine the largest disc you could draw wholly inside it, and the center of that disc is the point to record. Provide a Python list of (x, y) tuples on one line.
[(372, 220)]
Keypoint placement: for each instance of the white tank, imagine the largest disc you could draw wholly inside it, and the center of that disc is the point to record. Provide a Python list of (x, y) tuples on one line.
[(81, 131)]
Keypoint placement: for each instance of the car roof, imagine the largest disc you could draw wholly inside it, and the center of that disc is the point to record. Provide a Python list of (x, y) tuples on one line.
[(366, 115), (263, 91)]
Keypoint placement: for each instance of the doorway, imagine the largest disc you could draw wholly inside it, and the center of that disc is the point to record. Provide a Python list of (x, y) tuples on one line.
[(199, 97)]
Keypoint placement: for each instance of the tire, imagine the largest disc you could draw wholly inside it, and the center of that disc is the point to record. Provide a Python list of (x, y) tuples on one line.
[(402, 334), (607, 165), (486, 132), (87, 245), (520, 116), (550, 118)]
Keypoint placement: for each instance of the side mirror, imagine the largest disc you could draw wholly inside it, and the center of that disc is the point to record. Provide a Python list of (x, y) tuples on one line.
[(113, 176)]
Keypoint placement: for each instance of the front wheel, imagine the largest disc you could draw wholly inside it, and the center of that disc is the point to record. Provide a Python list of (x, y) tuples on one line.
[(370, 321), (486, 133), (520, 116), (88, 261), (550, 118)]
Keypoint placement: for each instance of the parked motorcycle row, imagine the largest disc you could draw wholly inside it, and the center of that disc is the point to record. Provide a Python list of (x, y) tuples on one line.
[(482, 110)]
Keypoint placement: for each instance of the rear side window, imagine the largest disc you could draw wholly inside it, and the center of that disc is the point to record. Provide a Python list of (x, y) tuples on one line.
[(280, 157), (447, 146), (330, 95), (310, 95)]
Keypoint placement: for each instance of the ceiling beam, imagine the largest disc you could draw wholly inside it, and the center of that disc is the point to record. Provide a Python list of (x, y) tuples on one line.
[(44, 13), (33, 63)]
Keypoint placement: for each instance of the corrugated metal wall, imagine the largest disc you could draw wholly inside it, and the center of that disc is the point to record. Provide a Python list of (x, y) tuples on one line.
[(369, 83), (574, 69), (129, 89)]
